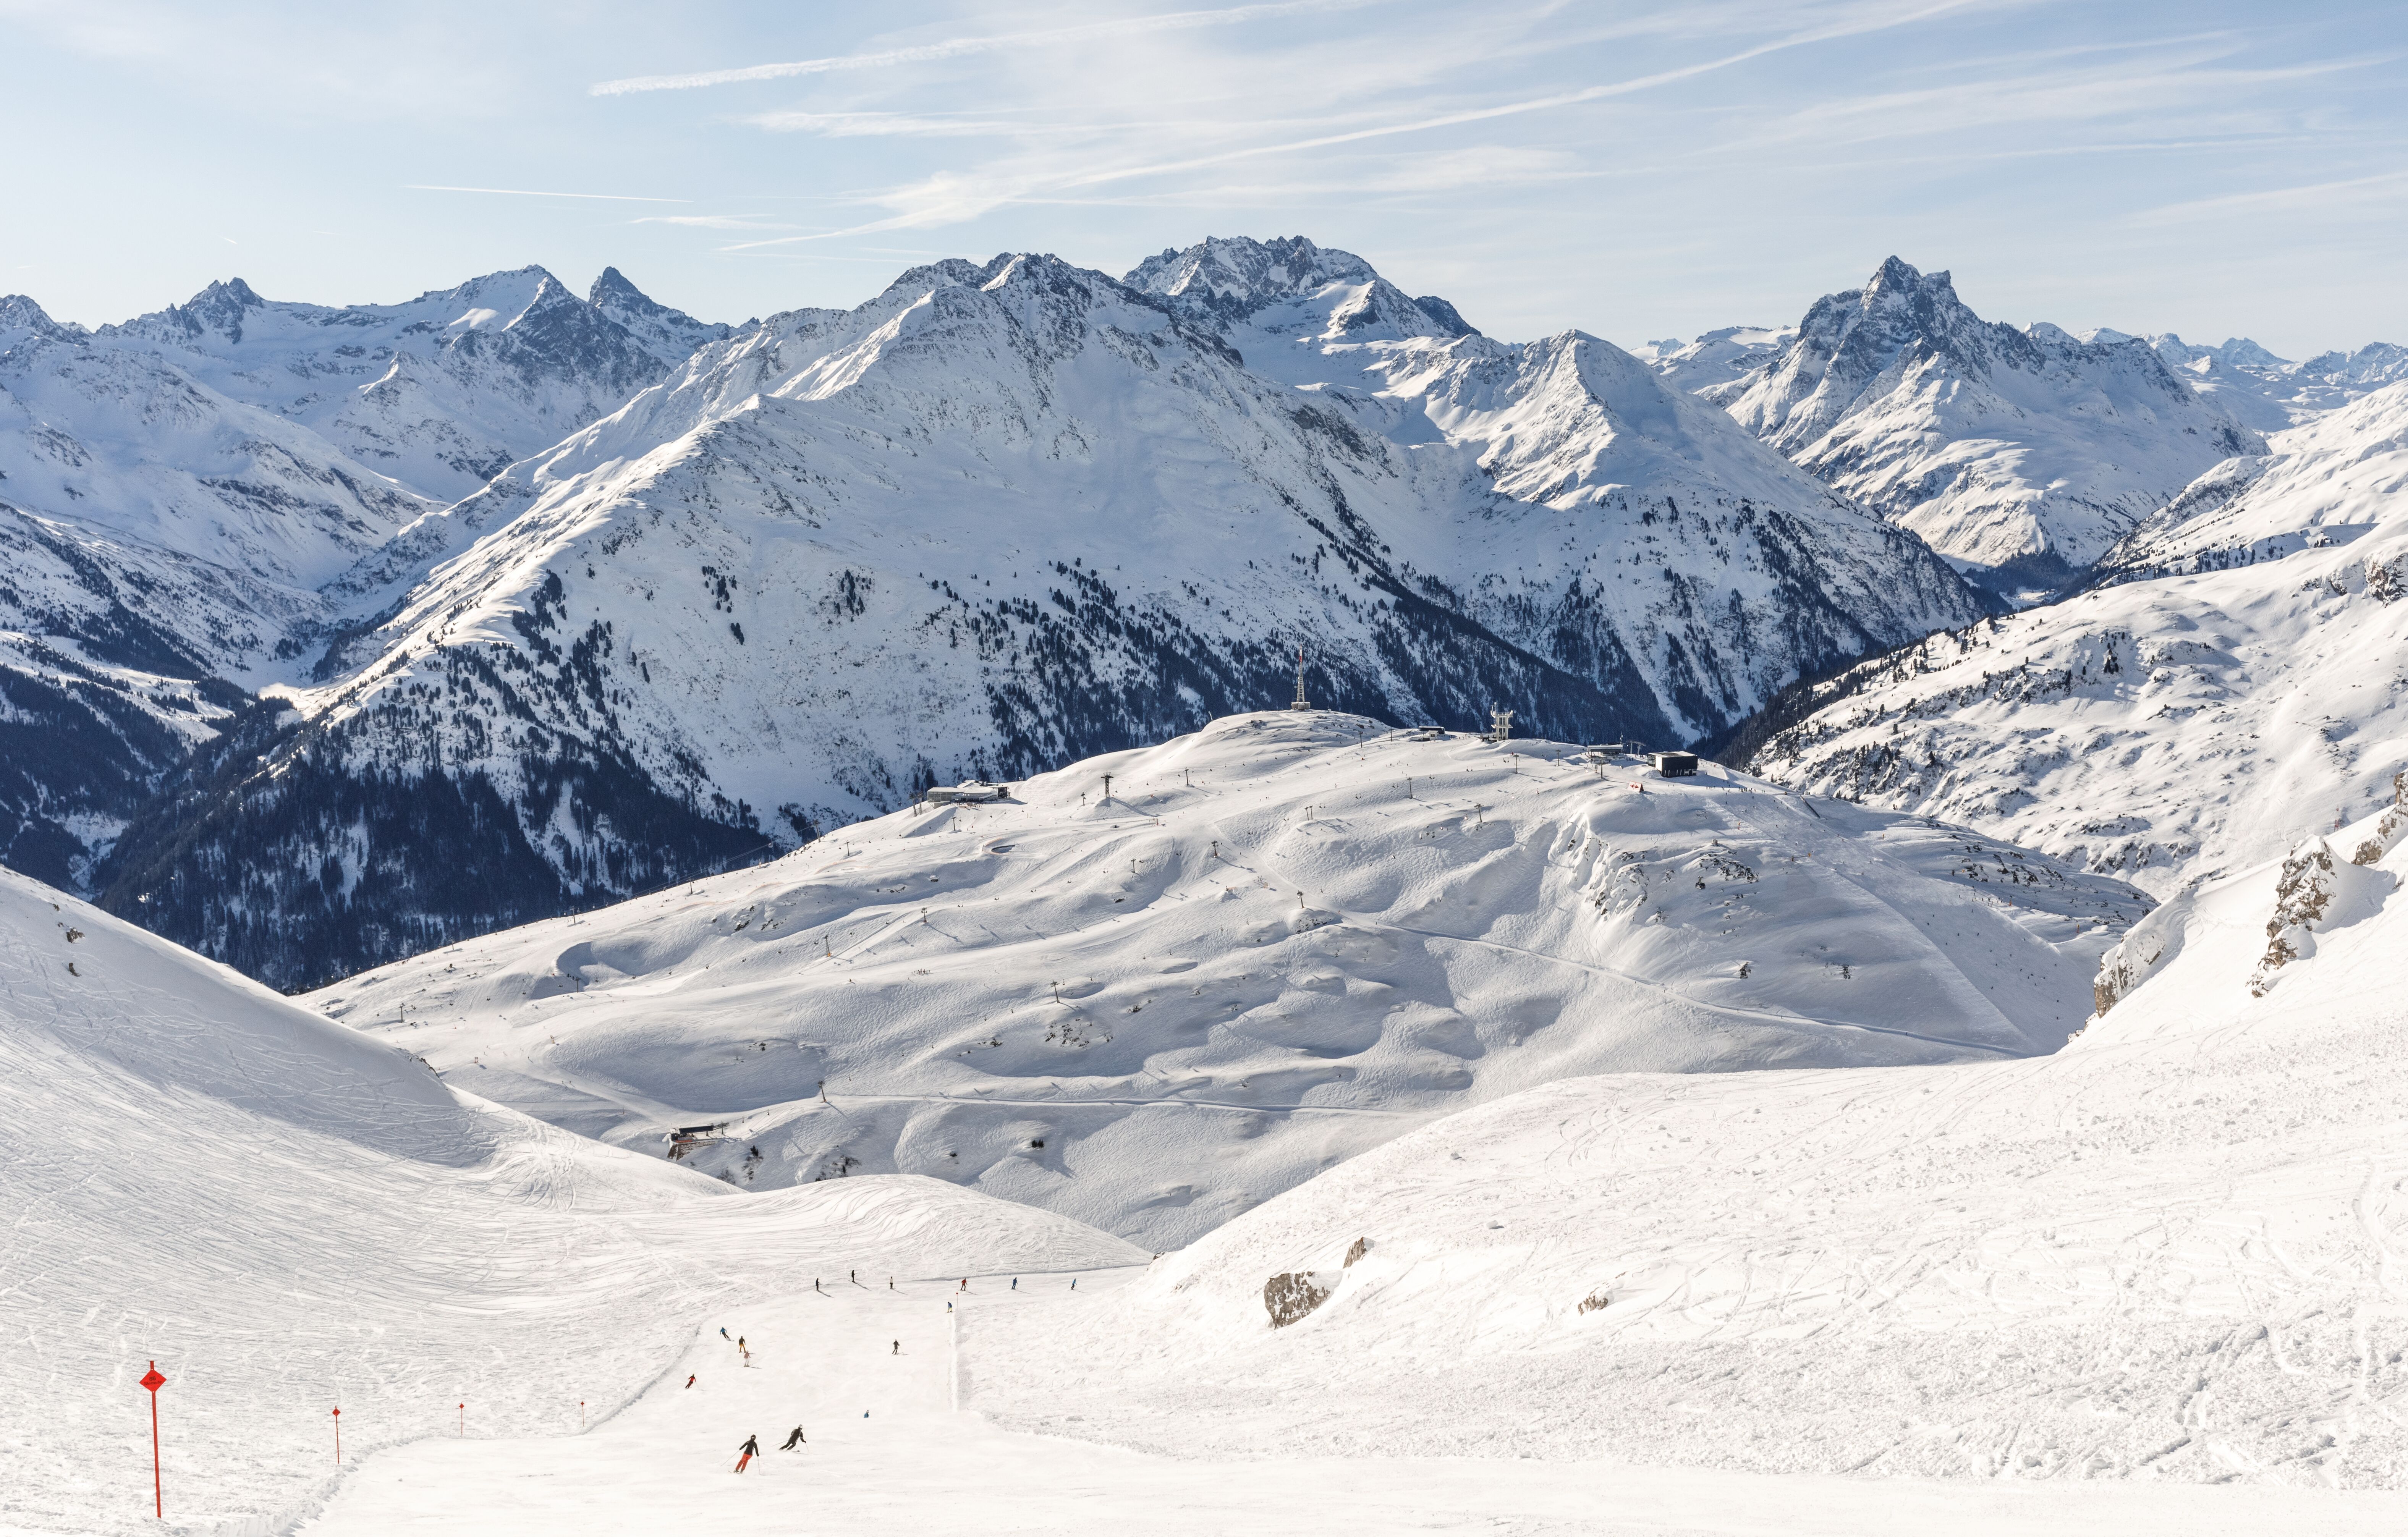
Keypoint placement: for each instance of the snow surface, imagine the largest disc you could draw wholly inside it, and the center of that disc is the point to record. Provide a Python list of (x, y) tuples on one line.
[(2239, 683), (289, 1218), (1281, 941), (2169, 1253)]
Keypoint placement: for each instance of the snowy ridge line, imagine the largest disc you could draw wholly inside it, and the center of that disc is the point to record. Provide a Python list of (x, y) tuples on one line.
[(1153, 949)]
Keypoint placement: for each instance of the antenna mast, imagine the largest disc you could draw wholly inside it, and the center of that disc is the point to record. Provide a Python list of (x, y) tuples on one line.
[(1300, 702)]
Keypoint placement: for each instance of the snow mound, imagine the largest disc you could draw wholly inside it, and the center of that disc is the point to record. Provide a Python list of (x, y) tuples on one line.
[(289, 1218), (1155, 988), (2168, 1253)]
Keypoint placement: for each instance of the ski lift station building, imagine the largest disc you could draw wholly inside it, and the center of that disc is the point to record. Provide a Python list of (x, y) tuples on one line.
[(1675, 765), (972, 793)]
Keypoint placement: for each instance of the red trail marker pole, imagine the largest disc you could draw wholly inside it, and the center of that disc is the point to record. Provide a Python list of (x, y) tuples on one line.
[(338, 1435), (154, 1381), (464, 1422)]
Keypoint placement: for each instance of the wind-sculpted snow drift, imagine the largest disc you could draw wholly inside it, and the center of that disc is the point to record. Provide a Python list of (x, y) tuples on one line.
[(997, 518), (1262, 949), (290, 1217), (2236, 679), (2167, 1252)]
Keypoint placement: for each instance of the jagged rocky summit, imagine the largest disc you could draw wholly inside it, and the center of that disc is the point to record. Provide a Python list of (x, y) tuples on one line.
[(2022, 455), (1001, 516)]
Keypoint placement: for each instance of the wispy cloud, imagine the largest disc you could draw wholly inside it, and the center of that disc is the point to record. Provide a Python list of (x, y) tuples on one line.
[(954, 48), (2388, 187), (952, 196), (707, 221), (521, 192), (899, 124)]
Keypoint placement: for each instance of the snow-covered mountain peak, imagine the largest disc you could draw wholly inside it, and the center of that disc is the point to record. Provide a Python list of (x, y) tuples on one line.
[(669, 334), (440, 392), (1296, 311), (2019, 454), (21, 319)]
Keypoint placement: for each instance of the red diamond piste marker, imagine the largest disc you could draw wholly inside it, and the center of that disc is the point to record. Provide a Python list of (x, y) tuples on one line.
[(154, 1381)]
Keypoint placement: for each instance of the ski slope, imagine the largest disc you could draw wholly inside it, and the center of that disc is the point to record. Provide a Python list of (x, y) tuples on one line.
[(887, 1455), (2170, 1253), (1276, 944), (290, 1217)]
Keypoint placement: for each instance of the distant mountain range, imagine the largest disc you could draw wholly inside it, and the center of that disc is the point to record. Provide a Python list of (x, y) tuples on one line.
[(331, 633)]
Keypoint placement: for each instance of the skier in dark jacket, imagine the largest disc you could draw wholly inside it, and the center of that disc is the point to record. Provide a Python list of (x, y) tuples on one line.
[(793, 1441), (751, 1448)]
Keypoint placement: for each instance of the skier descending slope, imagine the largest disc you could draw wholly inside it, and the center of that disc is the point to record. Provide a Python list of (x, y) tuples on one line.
[(793, 1441), (751, 1448)]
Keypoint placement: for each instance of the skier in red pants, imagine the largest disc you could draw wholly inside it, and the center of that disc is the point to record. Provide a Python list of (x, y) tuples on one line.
[(751, 1448)]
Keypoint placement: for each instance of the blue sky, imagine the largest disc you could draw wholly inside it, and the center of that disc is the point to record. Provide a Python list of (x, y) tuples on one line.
[(1634, 170)]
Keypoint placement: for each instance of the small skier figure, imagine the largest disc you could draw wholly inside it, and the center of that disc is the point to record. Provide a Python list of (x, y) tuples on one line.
[(854, 1276), (815, 1283), (1074, 1282), (689, 1381), (793, 1441), (751, 1448), (898, 1350), (890, 1283), (722, 1332)]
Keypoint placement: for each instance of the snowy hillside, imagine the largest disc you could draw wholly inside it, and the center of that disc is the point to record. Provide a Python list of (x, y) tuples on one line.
[(1280, 941), (2166, 1254), (997, 518), (2238, 682), (182, 496), (160, 548), (289, 1218), (2020, 455)]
